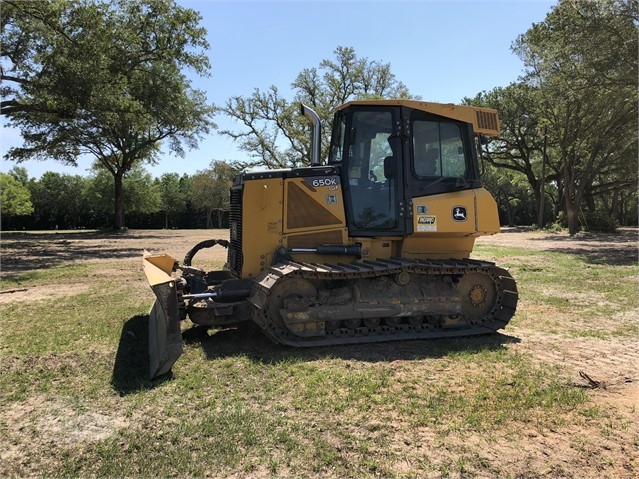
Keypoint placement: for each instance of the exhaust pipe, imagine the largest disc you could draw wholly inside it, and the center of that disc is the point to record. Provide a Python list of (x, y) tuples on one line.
[(316, 137)]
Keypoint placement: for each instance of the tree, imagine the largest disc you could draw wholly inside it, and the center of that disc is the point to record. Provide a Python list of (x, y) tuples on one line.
[(274, 133), (211, 190), (583, 60), (519, 147), (522, 142), (59, 200), (172, 196), (511, 190), (104, 79), (143, 197), (15, 198)]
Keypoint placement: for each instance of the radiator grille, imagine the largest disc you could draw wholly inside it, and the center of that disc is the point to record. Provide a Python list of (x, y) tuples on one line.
[(235, 256)]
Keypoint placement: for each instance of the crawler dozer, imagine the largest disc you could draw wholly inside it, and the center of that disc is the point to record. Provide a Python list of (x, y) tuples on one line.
[(371, 245)]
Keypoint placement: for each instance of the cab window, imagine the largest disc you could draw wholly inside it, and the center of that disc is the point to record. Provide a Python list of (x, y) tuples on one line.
[(437, 149), (336, 153)]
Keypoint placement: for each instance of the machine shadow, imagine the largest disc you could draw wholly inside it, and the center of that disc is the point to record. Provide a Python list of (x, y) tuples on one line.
[(247, 340), (131, 366)]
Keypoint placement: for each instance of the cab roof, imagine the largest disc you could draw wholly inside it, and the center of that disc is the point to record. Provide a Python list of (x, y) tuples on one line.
[(485, 121)]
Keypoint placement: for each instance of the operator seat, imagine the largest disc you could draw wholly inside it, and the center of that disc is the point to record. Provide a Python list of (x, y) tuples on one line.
[(428, 166)]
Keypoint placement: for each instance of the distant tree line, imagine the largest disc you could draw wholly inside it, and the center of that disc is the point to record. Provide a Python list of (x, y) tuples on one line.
[(105, 78), (63, 201)]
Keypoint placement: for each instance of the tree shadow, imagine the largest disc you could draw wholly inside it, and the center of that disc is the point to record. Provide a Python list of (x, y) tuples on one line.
[(247, 340), (24, 252), (131, 366), (516, 229), (614, 249)]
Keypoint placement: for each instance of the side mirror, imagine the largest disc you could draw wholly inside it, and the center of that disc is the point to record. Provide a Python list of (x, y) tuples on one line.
[(390, 167)]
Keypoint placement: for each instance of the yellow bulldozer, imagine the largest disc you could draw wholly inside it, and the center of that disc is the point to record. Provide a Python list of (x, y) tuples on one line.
[(371, 245)]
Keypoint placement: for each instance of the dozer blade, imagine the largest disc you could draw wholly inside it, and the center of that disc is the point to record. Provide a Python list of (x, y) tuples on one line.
[(165, 335)]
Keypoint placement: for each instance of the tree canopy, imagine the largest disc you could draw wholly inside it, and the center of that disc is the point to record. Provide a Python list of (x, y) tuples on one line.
[(582, 60), (15, 197), (274, 134), (103, 78)]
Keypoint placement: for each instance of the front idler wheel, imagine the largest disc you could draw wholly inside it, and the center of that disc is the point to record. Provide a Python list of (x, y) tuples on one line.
[(288, 310)]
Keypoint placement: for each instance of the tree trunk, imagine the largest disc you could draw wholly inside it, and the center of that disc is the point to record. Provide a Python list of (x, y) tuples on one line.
[(572, 216), (539, 204), (209, 219), (219, 217), (573, 205), (119, 202), (539, 192), (510, 213), (613, 209), (574, 187)]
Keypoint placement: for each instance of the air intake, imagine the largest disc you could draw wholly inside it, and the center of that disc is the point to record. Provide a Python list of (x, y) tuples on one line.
[(486, 120)]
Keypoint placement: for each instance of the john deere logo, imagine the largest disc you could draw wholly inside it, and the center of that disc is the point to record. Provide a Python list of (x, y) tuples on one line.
[(459, 213)]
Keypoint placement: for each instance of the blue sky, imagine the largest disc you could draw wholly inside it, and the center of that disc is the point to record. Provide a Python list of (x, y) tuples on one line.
[(442, 51)]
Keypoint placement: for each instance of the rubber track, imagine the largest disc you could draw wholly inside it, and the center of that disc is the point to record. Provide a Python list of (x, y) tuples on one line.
[(498, 318)]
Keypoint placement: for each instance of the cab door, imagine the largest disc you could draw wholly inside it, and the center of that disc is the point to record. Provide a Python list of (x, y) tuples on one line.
[(367, 144)]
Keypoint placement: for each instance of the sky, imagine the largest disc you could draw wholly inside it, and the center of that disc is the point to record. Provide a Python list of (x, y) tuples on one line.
[(442, 51)]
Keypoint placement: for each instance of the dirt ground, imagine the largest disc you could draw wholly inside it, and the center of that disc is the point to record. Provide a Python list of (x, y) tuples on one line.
[(608, 367), (618, 248), (22, 252), (25, 251)]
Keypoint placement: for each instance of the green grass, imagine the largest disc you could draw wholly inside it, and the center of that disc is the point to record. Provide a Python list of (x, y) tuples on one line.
[(569, 285), (328, 417), (76, 400)]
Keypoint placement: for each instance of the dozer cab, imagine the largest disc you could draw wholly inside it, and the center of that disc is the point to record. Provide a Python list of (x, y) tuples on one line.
[(371, 245)]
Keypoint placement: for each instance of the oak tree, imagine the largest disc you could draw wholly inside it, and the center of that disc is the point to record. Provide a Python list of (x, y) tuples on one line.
[(583, 60), (103, 78), (273, 132)]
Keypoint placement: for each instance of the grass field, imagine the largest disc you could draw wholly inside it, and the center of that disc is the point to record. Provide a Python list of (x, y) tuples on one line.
[(553, 395)]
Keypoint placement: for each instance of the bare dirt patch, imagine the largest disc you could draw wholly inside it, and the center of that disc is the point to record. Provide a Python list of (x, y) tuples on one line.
[(25, 253), (50, 421), (41, 292), (28, 251), (64, 420)]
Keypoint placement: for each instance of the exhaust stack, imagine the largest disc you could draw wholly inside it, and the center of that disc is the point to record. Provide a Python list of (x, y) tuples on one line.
[(316, 137)]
